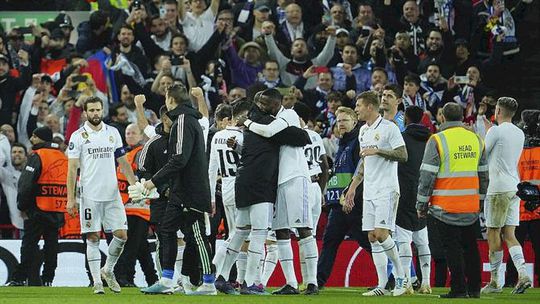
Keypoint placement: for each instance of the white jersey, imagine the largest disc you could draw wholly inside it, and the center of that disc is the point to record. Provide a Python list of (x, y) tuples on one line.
[(224, 160), (205, 125), (96, 153), (199, 29), (504, 144), (380, 174), (313, 152), (292, 160)]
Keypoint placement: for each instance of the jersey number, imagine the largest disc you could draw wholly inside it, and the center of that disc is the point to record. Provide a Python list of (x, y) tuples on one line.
[(87, 214), (313, 154), (227, 158)]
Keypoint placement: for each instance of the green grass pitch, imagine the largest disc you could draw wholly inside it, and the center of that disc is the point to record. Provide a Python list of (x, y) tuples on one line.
[(67, 295)]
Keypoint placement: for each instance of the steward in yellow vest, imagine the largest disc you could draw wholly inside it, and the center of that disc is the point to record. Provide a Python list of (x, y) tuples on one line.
[(453, 181)]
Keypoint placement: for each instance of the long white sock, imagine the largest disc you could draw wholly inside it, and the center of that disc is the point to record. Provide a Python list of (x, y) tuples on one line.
[(424, 256), (405, 256), (93, 256), (219, 257), (495, 261), (310, 251), (286, 260), (391, 251), (254, 255), (303, 270), (232, 252), (115, 250), (270, 262), (178, 263), (516, 252), (381, 263), (241, 265)]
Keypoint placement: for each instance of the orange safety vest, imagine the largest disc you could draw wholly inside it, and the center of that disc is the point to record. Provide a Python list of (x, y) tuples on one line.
[(132, 209), (71, 228), (52, 189), (529, 171), (456, 188)]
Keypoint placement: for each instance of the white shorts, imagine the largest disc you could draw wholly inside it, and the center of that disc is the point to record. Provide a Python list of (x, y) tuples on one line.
[(380, 212), (501, 209), (315, 200), (293, 208), (94, 214), (419, 237), (258, 216), (230, 216)]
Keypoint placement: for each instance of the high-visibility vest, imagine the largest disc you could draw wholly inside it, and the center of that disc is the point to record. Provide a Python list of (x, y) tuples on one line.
[(529, 171), (457, 185), (142, 211), (71, 228), (52, 190)]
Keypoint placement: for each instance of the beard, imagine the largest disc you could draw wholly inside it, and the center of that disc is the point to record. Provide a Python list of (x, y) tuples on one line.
[(95, 121)]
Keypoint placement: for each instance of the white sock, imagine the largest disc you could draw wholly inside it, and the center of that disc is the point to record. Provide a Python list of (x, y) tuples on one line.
[(254, 255), (179, 259), (303, 270), (424, 256), (495, 261), (311, 256), (115, 250), (270, 262), (232, 252), (381, 263), (286, 260), (516, 253), (391, 251), (241, 264), (405, 256), (93, 256), (219, 257)]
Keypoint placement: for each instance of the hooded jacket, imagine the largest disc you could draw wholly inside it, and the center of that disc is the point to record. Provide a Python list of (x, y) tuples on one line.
[(187, 168), (415, 137)]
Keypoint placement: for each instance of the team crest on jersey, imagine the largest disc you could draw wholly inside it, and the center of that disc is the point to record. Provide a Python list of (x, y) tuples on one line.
[(111, 139), (84, 135), (377, 137), (71, 146)]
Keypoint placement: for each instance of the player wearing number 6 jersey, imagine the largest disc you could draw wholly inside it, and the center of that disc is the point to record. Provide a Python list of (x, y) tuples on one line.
[(95, 147)]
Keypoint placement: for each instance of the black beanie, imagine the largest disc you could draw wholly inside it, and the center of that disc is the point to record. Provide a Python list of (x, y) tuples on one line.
[(44, 133)]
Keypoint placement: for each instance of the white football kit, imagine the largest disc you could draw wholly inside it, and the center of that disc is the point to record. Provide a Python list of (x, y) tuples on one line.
[(224, 160), (101, 203), (381, 186)]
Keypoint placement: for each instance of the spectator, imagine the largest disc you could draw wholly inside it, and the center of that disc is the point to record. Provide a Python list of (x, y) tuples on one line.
[(8, 131), (291, 69), (10, 86), (9, 178), (245, 65), (349, 58), (439, 48), (198, 24), (433, 87), (94, 34)]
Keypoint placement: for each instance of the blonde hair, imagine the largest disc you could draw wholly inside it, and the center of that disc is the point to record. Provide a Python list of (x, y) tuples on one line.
[(347, 111)]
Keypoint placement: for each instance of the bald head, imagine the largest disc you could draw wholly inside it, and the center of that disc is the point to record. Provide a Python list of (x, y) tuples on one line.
[(53, 122), (133, 135)]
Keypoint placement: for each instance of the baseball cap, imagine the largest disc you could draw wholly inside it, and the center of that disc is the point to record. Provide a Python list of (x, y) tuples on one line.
[(262, 5), (64, 20)]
